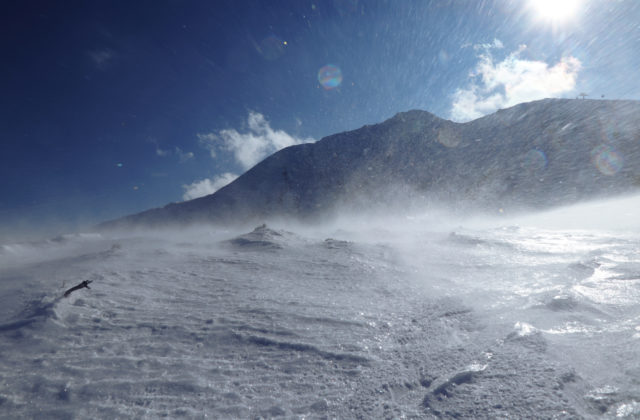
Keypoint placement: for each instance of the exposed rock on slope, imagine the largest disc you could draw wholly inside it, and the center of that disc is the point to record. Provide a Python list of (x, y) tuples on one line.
[(533, 155)]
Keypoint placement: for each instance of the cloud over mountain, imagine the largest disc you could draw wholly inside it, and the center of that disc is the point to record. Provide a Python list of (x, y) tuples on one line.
[(247, 149), (250, 147), (207, 186), (495, 85)]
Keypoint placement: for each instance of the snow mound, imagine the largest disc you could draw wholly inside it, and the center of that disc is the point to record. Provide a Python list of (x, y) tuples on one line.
[(261, 238)]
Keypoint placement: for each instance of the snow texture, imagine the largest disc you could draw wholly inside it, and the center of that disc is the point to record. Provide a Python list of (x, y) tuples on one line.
[(407, 320)]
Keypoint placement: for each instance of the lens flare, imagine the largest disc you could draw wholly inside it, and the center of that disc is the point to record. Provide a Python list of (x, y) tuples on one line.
[(610, 132), (448, 137), (534, 161), (330, 76), (606, 159), (272, 47)]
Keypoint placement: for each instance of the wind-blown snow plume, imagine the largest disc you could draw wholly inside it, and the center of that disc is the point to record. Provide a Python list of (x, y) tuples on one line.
[(511, 81), (395, 315)]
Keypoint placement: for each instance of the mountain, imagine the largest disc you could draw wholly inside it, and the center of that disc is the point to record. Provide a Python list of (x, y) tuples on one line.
[(533, 155)]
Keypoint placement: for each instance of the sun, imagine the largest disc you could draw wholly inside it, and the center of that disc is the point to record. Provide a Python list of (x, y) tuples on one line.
[(556, 11)]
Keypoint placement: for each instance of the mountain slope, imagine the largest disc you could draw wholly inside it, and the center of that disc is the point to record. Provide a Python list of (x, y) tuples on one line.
[(533, 155)]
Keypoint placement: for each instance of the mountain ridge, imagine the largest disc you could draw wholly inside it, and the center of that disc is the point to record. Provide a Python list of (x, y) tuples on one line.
[(532, 155)]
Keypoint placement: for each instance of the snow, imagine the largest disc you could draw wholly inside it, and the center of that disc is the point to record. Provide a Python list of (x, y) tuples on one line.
[(363, 318)]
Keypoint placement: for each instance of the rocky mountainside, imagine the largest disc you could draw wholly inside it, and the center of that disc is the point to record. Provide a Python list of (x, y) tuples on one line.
[(533, 155)]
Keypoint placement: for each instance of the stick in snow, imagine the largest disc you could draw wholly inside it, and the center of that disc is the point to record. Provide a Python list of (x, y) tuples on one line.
[(80, 286)]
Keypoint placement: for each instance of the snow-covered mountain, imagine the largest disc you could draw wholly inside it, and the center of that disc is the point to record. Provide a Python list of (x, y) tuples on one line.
[(533, 155)]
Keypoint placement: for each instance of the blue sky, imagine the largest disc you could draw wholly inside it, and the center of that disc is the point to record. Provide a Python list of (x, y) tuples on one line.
[(114, 107)]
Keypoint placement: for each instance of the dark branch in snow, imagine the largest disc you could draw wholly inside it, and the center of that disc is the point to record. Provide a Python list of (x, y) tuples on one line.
[(80, 286)]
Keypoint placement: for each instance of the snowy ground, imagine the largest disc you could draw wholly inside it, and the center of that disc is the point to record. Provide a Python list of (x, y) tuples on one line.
[(417, 320)]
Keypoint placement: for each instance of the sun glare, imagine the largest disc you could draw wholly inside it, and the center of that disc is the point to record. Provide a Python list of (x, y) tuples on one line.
[(555, 10)]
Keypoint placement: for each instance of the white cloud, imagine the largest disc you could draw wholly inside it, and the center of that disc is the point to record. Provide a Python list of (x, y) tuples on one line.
[(247, 148), (497, 44), (183, 156), (510, 82), (209, 141), (207, 186), (251, 147)]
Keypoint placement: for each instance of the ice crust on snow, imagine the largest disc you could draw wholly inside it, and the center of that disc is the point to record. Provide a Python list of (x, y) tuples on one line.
[(469, 323)]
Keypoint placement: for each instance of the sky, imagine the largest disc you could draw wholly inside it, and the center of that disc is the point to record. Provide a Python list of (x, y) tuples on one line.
[(113, 107)]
